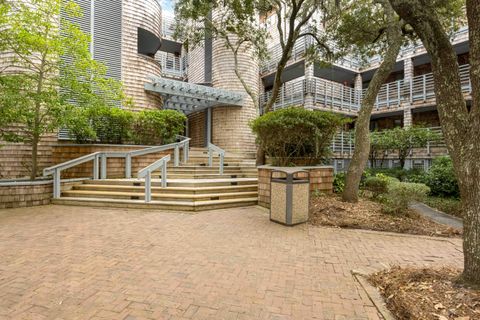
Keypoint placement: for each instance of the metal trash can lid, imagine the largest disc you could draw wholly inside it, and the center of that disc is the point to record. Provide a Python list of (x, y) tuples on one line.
[(289, 178)]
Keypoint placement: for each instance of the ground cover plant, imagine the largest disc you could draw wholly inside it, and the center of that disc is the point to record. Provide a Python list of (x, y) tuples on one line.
[(427, 294)]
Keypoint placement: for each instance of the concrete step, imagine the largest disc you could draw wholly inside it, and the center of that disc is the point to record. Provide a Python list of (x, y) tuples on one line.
[(168, 190), (205, 176), (178, 182), (159, 205), (203, 170), (157, 196)]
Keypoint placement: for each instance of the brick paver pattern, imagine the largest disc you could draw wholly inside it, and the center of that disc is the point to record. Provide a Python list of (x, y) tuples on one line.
[(59, 262)]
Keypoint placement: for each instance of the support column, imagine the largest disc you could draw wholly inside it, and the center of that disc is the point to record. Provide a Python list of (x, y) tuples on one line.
[(208, 126), (309, 101), (408, 71)]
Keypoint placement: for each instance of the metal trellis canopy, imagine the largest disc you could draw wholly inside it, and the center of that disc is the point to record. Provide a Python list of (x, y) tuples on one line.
[(189, 97)]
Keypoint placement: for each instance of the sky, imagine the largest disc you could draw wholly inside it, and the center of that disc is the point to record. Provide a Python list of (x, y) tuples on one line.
[(167, 6)]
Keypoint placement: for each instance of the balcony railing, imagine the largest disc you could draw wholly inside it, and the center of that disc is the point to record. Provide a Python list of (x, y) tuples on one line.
[(337, 97), (298, 53), (350, 62), (172, 66)]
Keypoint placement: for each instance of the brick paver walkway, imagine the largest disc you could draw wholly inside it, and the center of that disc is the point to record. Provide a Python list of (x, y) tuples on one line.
[(80, 263)]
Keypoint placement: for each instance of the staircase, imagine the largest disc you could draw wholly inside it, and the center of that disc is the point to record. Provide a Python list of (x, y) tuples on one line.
[(193, 186)]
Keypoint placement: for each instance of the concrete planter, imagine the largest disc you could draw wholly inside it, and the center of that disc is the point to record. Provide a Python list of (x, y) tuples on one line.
[(321, 179)]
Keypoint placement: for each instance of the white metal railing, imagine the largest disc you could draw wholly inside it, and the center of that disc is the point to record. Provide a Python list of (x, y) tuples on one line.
[(100, 169), (291, 93), (172, 65), (298, 53), (221, 153), (146, 173), (337, 96)]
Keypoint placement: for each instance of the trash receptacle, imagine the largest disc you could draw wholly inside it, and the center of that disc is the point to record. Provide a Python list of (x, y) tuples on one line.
[(289, 196)]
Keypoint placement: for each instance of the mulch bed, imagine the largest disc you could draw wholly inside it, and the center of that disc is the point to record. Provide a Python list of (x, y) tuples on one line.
[(331, 211), (427, 294)]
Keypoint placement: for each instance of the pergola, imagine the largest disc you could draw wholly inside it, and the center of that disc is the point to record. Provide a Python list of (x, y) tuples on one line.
[(188, 97)]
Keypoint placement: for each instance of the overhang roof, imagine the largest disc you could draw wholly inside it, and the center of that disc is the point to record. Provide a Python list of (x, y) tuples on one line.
[(189, 97)]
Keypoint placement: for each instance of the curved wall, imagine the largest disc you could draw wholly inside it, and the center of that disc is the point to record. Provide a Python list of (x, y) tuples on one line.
[(136, 68), (230, 128)]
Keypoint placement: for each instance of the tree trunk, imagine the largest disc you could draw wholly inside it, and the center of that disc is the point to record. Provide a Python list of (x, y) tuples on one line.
[(470, 191), (34, 169), (362, 125), (260, 158), (460, 126)]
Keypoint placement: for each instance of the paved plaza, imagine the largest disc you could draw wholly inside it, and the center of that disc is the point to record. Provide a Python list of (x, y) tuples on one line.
[(60, 262)]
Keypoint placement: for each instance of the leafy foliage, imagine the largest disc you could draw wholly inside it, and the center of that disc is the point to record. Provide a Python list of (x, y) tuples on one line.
[(404, 175), (400, 141), (339, 182), (291, 133), (401, 194), (157, 126), (441, 178), (377, 185), (48, 53), (118, 126)]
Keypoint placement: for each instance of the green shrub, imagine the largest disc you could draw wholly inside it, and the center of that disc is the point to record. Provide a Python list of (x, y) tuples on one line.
[(339, 182), (100, 124), (157, 126), (411, 175), (376, 185), (291, 133), (441, 178), (78, 123), (112, 125), (400, 194), (117, 125)]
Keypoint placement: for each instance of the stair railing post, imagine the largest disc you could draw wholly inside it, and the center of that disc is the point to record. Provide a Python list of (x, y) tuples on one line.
[(148, 186), (56, 183), (103, 170), (185, 152), (210, 157), (164, 175), (128, 166), (221, 163), (176, 156), (95, 167)]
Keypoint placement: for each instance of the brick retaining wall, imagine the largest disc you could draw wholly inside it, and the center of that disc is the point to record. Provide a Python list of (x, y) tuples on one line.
[(321, 179), (28, 193)]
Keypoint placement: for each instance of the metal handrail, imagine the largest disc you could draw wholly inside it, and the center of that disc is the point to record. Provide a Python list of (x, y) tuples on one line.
[(100, 171), (221, 153), (147, 174)]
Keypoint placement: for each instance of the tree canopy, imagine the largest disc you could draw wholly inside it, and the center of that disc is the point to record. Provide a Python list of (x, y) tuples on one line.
[(49, 71)]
